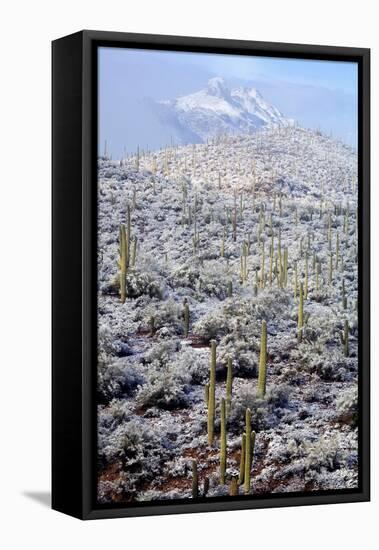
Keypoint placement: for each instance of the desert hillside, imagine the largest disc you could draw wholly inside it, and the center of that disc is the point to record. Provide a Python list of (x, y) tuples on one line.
[(228, 353)]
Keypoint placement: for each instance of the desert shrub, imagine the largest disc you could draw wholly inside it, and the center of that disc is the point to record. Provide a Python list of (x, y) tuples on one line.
[(245, 361), (323, 453), (309, 453), (161, 353), (134, 446), (105, 341), (212, 325), (186, 275), (328, 363), (272, 305), (139, 283), (115, 380), (212, 279), (347, 406), (167, 387), (265, 411), (196, 365), (167, 314), (110, 286)]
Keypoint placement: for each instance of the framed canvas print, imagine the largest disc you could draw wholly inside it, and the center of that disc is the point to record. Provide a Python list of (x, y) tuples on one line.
[(210, 274)]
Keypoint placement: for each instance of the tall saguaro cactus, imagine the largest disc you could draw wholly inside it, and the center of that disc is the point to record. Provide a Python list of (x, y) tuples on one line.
[(346, 338), (128, 227), (263, 360), (223, 443), (300, 316), (247, 452), (212, 394), (233, 489), (186, 318), (229, 385), (242, 460), (123, 262)]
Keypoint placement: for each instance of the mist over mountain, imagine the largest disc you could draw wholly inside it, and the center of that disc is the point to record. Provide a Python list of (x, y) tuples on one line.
[(141, 95), (215, 110)]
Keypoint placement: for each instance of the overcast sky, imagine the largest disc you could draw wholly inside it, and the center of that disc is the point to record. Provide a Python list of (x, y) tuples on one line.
[(318, 94)]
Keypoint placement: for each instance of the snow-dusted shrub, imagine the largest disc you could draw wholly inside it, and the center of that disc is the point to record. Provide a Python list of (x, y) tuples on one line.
[(110, 286), (264, 410), (186, 275), (328, 363), (278, 395), (162, 352), (111, 490), (105, 341), (212, 325), (167, 314), (324, 453), (347, 406), (213, 279), (272, 305), (194, 364), (138, 283), (166, 388), (115, 380), (133, 445), (245, 361)]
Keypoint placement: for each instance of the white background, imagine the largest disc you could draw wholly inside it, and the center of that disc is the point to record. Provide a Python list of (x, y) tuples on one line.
[(26, 31)]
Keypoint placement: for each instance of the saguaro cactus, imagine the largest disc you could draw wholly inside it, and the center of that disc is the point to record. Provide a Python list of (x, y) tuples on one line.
[(344, 299), (195, 480), (295, 283), (271, 259), (262, 281), (242, 460), (230, 289), (212, 394), (300, 315), (346, 338), (247, 452), (123, 262), (233, 489), (134, 251), (222, 252), (223, 443), (331, 268), (306, 277), (128, 227), (186, 318), (206, 394), (229, 385), (263, 361)]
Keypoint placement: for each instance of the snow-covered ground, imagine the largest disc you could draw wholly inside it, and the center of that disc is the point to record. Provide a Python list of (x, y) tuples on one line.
[(202, 219)]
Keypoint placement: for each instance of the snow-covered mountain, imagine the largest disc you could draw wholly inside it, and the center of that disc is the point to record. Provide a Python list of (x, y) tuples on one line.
[(219, 110)]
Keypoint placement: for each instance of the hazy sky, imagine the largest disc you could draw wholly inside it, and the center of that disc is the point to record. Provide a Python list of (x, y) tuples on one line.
[(318, 94)]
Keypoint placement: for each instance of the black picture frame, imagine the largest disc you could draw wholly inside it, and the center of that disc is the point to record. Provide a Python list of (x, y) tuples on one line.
[(74, 172)]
